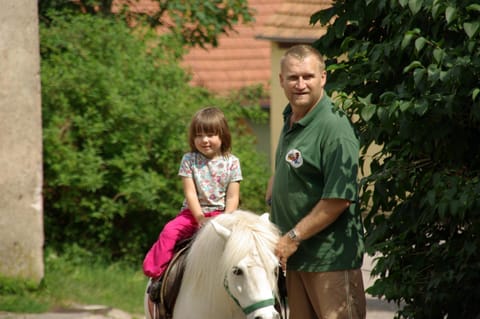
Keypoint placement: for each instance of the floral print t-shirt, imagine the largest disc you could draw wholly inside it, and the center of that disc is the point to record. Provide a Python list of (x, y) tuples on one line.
[(211, 177)]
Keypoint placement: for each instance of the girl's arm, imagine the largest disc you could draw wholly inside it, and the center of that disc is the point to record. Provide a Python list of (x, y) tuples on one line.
[(191, 196), (233, 197)]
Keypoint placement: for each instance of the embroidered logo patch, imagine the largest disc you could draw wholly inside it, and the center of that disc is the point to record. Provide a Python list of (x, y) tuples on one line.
[(294, 158)]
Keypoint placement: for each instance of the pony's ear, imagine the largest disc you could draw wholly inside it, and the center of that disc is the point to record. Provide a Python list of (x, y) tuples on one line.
[(265, 217), (221, 230)]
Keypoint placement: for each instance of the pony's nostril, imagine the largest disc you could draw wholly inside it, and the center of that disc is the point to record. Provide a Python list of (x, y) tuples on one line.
[(274, 316)]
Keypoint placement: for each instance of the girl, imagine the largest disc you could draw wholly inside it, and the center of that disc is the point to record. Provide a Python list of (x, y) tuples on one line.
[(211, 178)]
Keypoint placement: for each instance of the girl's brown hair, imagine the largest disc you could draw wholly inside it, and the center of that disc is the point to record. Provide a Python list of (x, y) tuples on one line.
[(210, 120)]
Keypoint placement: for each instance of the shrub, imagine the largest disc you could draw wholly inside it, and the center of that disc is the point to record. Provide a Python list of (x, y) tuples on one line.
[(116, 106), (410, 70)]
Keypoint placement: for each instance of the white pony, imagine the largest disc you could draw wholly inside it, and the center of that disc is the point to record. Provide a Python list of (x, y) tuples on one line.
[(230, 270)]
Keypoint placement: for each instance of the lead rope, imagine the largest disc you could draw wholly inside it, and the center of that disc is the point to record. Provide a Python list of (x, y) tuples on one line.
[(282, 292)]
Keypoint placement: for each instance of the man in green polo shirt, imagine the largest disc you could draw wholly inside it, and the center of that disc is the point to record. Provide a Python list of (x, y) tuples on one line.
[(313, 193)]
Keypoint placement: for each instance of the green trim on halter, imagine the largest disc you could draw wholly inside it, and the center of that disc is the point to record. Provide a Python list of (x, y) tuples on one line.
[(249, 309), (258, 305)]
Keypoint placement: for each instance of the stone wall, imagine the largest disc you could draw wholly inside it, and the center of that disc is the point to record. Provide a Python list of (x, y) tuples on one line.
[(21, 209)]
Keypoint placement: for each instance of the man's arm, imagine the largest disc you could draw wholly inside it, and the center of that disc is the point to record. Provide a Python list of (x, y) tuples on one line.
[(268, 193), (325, 212)]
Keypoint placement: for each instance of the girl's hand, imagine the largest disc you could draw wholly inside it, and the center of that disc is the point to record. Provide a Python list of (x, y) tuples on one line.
[(201, 220)]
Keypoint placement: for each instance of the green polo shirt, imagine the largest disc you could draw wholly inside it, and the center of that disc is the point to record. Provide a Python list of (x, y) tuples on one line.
[(318, 158)]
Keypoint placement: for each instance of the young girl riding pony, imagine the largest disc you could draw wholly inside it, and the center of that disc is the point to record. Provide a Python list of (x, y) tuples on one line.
[(211, 178)]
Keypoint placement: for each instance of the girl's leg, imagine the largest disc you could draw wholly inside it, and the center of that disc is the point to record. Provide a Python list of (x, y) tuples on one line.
[(158, 257)]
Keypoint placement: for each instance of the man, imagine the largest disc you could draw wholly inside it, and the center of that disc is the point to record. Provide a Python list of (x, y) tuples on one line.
[(313, 194)]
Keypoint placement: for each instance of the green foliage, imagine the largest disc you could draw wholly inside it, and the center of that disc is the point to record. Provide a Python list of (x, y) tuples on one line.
[(412, 75), (193, 22), (116, 107)]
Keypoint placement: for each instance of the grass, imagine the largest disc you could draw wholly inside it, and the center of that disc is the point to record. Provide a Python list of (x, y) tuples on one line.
[(74, 279)]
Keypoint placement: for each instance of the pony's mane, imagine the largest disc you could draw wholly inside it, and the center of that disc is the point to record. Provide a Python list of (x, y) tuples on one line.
[(211, 256)]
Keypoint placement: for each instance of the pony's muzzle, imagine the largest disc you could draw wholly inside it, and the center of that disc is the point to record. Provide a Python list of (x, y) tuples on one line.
[(265, 313)]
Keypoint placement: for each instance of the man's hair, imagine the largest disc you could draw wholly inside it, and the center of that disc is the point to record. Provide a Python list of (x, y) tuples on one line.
[(210, 120), (301, 51)]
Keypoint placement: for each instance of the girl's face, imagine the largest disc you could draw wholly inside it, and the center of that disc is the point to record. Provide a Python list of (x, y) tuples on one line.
[(208, 144)]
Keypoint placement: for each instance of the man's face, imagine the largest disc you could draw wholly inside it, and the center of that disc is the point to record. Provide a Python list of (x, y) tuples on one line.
[(302, 81)]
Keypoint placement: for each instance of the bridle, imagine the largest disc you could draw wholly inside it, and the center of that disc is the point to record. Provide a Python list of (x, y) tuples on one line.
[(251, 308)]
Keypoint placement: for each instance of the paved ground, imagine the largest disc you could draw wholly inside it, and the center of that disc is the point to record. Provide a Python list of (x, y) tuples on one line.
[(376, 309), (88, 312)]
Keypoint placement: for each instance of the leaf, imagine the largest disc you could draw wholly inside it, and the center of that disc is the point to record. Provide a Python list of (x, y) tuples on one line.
[(420, 43), (322, 16), (413, 65), (366, 100), (450, 14), (475, 93), (438, 55), (368, 111), (436, 8), (433, 73), (406, 40), (421, 106), (404, 105), (430, 198), (455, 207), (339, 26), (388, 97), (418, 76), (415, 6), (474, 7), (442, 210), (471, 28), (336, 66), (409, 35)]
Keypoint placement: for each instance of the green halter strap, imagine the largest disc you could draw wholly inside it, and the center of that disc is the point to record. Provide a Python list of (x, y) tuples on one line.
[(249, 309)]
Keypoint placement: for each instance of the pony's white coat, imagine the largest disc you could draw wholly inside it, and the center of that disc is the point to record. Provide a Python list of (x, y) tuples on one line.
[(212, 258)]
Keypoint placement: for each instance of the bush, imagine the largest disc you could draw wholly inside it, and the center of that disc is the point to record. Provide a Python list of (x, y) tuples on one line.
[(116, 106), (410, 70)]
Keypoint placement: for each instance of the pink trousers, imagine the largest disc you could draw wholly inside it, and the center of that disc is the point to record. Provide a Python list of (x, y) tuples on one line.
[(183, 226)]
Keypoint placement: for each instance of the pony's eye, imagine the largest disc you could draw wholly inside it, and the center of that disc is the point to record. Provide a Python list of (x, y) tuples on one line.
[(237, 271)]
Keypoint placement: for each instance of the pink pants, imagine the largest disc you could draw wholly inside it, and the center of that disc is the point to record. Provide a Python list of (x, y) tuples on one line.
[(181, 227)]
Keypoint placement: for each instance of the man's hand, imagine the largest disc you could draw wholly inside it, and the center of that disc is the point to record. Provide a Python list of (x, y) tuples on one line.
[(284, 249)]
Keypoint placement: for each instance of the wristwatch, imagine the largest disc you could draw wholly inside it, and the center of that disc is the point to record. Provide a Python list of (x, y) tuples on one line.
[(292, 234)]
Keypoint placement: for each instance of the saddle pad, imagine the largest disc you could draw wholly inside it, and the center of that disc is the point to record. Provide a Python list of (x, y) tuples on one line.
[(171, 282)]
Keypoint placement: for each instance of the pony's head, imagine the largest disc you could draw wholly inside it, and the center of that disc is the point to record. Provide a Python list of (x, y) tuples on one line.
[(238, 250)]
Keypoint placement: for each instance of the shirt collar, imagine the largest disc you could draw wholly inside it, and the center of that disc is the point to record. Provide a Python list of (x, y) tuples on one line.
[(310, 116)]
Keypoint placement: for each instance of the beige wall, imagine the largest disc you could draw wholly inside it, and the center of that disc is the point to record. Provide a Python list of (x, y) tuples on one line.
[(21, 209), (278, 101)]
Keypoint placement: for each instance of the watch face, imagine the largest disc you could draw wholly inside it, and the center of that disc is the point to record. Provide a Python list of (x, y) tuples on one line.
[(292, 234)]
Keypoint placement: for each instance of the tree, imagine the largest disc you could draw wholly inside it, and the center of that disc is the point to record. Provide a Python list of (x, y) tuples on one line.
[(193, 22), (116, 106), (410, 69)]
